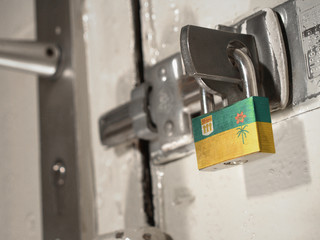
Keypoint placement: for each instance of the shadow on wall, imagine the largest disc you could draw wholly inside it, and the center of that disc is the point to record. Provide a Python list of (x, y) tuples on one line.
[(288, 168)]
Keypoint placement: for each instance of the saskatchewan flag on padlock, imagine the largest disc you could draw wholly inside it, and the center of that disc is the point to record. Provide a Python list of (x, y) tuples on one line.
[(232, 132)]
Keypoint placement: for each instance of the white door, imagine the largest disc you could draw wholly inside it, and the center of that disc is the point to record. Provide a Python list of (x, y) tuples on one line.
[(272, 198)]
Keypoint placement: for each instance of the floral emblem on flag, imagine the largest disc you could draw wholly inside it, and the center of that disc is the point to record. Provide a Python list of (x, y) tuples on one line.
[(241, 130)]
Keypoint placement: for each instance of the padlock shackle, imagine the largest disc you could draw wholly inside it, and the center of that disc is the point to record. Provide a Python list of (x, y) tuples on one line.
[(246, 68), (207, 101), (241, 60)]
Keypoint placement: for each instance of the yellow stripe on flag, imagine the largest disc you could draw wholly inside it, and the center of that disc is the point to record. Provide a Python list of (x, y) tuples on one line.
[(266, 137), (229, 144)]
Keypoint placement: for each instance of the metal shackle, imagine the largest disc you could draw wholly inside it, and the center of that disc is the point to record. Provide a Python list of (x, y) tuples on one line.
[(239, 57)]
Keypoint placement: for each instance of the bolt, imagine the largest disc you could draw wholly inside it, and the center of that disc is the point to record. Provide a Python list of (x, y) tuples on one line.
[(168, 127), (162, 74)]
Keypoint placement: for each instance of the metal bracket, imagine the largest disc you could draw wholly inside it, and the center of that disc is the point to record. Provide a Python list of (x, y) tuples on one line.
[(171, 117), (67, 184), (159, 112), (265, 27)]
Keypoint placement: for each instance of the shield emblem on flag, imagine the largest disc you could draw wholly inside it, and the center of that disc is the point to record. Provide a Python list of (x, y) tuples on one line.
[(207, 125)]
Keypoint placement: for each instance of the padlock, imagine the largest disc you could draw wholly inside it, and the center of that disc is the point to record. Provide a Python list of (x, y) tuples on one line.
[(227, 136), (232, 132)]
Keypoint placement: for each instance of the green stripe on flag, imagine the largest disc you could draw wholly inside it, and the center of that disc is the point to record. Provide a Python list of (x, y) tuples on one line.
[(261, 107), (256, 109)]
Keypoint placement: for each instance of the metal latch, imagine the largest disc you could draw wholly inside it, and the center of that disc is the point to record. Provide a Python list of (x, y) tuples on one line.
[(204, 52), (161, 108), (159, 111), (210, 56)]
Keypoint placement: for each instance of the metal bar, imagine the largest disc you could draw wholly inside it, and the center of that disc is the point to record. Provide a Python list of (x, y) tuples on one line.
[(207, 104), (116, 126), (189, 89), (67, 196), (247, 72), (33, 57), (190, 92)]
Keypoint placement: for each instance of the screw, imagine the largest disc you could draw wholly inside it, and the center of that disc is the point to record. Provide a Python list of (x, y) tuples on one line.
[(59, 172), (168, 127), (162, 74)]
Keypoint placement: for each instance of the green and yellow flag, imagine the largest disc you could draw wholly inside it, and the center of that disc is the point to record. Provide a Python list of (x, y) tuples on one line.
[(237, 130)]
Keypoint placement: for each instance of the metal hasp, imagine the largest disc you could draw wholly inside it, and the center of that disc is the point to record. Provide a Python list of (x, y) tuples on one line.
[(159, 111), (265, 27), (227, 65), (33, 57), (169, 100), (239, 57), (210, 55), (66, 171), (205, 55), (300, 21)]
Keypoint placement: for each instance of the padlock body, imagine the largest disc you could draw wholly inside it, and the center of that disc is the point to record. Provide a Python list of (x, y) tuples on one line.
[(238, 130)]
